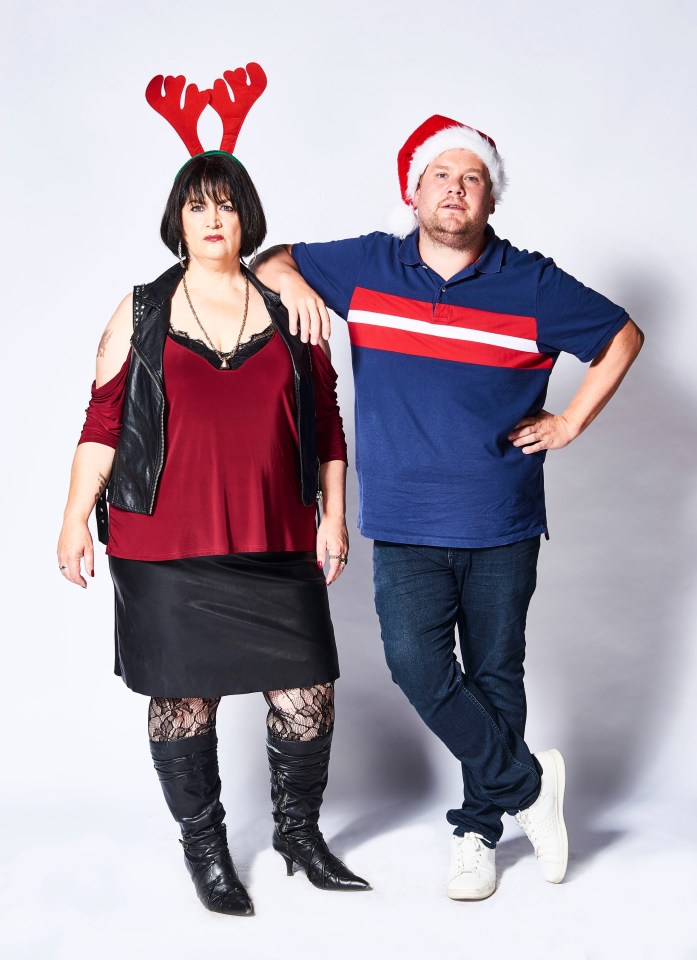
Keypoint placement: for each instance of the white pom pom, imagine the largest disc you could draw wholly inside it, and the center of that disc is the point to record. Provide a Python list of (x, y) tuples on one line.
[(401, 221)]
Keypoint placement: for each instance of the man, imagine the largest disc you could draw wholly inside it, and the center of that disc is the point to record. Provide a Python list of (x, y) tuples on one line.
[(454, 334)]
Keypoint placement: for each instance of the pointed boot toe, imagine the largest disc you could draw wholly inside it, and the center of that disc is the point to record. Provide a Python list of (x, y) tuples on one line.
[(312, 855), (235, 903), (354, 882), (218, 887), (333, 874)]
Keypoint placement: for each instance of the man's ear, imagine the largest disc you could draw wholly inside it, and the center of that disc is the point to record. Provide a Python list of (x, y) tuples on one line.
[(417, 192)]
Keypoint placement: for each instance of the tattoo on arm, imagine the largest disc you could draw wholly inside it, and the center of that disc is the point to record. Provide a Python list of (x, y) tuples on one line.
[(100, 486), (106, 337)]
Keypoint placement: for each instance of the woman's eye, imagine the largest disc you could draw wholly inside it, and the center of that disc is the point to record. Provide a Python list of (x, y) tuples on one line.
[(227, 206), (196, 207)]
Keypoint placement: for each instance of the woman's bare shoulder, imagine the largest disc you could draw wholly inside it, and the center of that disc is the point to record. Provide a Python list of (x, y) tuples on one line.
[(115, 342)]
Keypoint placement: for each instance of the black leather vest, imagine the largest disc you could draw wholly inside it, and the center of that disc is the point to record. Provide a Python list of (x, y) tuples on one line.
[(141, 450)]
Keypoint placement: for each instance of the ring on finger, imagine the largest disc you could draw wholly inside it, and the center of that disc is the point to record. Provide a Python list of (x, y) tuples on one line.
[(343, 560)]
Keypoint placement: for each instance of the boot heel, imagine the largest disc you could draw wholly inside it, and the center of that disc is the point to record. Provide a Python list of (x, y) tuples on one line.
[(289, 865)]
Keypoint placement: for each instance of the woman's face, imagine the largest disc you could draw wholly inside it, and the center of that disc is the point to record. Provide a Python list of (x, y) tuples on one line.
[(211, 230)]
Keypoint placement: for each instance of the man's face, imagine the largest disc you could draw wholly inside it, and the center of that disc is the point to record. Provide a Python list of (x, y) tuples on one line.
[(453, 200)]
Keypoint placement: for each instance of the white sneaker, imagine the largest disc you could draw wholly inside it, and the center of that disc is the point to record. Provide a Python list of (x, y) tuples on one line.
[(543, 821), (472, 873)]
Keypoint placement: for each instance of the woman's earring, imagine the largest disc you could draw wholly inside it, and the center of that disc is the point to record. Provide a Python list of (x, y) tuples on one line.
[(180, 254)]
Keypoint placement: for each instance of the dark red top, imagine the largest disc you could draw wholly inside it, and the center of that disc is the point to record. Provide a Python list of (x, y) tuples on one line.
[(230, 481)]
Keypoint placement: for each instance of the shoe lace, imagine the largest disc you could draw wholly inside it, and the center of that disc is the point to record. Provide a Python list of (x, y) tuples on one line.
[(471, 844), (538, 830)]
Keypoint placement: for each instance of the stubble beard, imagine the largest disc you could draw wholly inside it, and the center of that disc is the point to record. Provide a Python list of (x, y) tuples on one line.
[(455, 236)]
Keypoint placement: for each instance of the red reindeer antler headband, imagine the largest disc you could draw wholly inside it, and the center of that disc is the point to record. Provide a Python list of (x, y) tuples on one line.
[(246, 86)]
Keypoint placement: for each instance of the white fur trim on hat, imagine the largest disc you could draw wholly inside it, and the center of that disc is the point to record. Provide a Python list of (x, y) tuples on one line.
[(401, 220), (453, 138)]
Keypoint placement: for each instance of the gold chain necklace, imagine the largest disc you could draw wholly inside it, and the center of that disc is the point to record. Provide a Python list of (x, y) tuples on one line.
[(223, 357)]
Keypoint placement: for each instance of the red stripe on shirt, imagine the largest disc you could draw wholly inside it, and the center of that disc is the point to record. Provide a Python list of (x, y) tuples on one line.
[(438, 348), (510, 324)]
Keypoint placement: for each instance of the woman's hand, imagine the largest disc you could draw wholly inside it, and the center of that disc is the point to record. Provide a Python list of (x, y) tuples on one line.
[(74, 545), (332, 538), (305, 308)]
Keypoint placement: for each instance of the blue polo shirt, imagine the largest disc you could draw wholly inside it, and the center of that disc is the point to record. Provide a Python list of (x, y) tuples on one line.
[(443, 372)]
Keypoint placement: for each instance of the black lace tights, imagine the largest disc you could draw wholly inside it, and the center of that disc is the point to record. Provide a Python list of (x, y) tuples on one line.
[(303, 713), (173, 718)]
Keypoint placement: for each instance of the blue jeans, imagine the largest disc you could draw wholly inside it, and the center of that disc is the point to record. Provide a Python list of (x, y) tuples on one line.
[(421, 594)]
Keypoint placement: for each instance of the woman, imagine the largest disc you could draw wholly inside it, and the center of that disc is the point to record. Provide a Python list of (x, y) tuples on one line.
[(208, 420)]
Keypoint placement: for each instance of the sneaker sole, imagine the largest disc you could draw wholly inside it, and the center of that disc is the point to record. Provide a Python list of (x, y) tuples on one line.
[(458, 895), (560, 773)]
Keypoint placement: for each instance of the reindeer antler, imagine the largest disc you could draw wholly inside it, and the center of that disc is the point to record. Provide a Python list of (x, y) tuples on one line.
[(185, 118), (233, 111)]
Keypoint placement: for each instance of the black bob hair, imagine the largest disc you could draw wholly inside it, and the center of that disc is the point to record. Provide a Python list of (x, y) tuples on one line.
[(223, 179)]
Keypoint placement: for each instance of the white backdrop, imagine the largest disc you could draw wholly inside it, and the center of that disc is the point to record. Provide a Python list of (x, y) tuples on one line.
[(590, 104)]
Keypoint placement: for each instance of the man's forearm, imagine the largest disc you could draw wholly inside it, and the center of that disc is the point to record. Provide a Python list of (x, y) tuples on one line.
[(307, 312), (604, 376), (549, 431), (270, 265)]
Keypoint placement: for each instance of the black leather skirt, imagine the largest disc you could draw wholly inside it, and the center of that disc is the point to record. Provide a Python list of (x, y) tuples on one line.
[(211, 626)]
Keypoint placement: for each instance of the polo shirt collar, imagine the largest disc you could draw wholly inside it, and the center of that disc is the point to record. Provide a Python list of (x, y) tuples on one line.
[(489, 262)]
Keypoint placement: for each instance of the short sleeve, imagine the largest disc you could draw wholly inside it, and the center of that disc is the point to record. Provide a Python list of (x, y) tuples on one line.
[(103, 421), (332, 269), (573, 318)]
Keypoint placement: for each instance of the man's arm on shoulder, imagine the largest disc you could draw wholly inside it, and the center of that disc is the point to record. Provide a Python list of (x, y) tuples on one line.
[(277, 269), (314, 277), (548, 431)]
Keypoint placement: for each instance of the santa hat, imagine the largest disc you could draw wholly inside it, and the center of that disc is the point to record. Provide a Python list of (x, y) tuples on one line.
[(433, 137)]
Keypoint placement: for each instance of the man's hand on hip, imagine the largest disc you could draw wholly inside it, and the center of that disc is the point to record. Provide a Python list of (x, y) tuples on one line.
[(546, 431)]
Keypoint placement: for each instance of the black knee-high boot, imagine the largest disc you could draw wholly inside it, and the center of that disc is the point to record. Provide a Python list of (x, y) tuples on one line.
[(298, 777), (188, 772)]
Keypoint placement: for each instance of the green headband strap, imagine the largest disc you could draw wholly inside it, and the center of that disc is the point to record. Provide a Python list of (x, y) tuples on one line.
[(210, 153)]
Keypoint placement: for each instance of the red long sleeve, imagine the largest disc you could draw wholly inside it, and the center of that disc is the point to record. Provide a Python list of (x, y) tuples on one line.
[(103, 420), (331, 443)]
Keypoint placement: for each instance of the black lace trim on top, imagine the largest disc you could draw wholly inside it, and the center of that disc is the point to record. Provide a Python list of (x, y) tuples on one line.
[(246, 350)]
